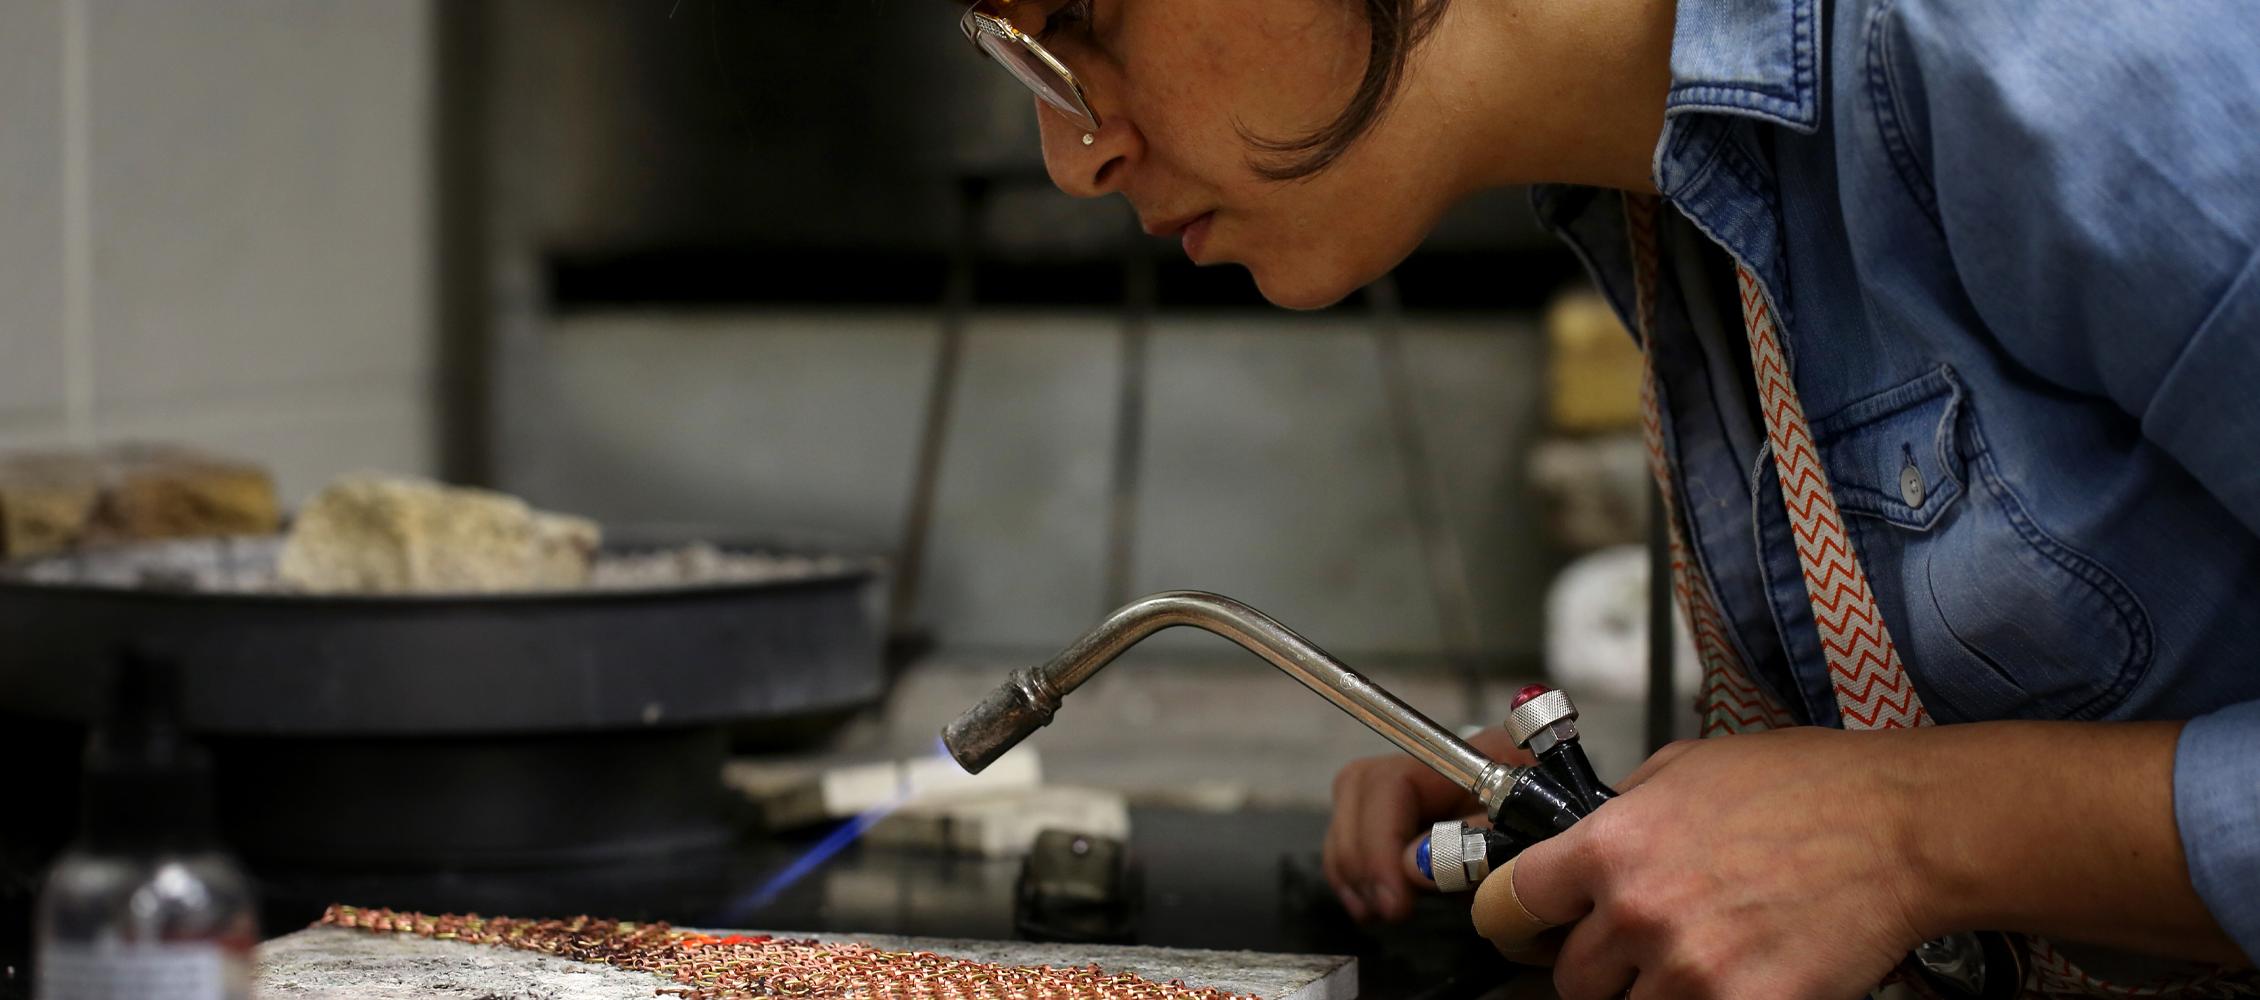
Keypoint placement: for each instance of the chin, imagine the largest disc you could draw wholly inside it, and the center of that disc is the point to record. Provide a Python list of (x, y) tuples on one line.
[(1305, 286)]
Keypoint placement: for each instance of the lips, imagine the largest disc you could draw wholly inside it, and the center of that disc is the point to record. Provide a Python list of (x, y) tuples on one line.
[(1191, 230), (1195, 236)]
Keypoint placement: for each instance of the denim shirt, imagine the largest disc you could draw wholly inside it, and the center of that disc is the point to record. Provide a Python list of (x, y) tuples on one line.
[(2012, 243)]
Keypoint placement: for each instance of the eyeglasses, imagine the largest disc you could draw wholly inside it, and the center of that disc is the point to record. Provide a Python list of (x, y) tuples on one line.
[(1030, 63)]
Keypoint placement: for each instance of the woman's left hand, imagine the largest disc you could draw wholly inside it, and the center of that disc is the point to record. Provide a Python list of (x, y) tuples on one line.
[(1766, 865)]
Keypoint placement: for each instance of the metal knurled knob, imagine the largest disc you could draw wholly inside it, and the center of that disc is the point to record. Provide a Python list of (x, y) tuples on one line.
[(1538, 712), (1447, 861)]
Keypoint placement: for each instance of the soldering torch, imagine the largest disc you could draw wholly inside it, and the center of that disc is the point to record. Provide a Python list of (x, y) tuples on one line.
[(1457, 856), (1525, 804)]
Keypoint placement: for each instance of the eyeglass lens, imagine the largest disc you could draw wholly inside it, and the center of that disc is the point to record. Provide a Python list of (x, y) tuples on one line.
[(1039, 76)]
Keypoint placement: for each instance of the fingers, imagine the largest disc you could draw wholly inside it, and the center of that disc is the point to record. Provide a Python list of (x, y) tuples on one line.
[(1411, 862), (1377, 807), (1551, 881), (1410, 859), (1341, 837), (1503, 918), (1391, 815), (1381, 803), (1657, 762), (1593, 964)]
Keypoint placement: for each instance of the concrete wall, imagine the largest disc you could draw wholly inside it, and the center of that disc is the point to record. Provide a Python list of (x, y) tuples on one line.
[(1270, 469), (215, 221)]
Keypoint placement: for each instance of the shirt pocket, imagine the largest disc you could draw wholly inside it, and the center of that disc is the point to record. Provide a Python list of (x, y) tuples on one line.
[(1993, 615)]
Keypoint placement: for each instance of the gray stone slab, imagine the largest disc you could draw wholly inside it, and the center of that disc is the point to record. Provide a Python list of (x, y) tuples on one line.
[(1264, 974), (327, 963)]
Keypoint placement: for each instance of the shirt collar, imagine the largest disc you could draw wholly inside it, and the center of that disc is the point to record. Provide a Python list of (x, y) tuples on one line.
[(1757, 59), (1751, 58)]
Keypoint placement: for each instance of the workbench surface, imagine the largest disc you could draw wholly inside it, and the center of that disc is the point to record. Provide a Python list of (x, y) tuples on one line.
[(329, 963)]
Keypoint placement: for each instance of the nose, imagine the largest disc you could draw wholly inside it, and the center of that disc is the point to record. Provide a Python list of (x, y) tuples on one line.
[(1086, 171)]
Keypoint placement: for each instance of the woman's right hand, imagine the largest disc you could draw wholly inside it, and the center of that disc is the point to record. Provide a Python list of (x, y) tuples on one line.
[(1381, 806)]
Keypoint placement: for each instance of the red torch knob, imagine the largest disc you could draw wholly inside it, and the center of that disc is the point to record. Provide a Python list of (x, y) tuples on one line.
[(1528, 693)]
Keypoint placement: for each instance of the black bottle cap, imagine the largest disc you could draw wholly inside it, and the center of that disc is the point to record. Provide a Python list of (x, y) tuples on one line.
[(148, 787)]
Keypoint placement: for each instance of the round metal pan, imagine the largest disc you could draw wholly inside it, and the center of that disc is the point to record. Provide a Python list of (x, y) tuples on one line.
[(448, 732), (287, 664)]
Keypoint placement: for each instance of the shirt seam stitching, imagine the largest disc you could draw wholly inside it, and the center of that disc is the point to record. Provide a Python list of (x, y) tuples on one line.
[(1796, 106), (2142, 640), (1888, 104)]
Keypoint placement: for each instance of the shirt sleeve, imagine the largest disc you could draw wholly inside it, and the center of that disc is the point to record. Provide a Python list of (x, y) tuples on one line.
[(2094, 168), (2219, 812)]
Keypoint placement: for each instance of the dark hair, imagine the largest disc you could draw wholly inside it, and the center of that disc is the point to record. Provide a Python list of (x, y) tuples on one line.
[(1398, 26)]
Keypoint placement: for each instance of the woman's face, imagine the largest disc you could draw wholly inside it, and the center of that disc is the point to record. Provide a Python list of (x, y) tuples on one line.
[(1181, 85)]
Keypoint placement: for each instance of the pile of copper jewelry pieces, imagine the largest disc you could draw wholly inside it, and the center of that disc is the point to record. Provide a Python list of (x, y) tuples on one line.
[(742, 967)]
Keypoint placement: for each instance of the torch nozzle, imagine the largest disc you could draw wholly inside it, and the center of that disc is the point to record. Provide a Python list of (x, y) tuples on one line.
[(1011, 713)]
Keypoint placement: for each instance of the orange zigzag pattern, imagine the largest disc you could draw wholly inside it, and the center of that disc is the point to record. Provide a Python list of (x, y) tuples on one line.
[(1872, 689), (2051, 974)]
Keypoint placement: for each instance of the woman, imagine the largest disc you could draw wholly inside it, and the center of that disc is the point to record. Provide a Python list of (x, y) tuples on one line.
[(1977, 280)]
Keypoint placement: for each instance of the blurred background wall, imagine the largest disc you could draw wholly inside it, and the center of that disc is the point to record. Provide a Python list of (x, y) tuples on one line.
[(793, 274), (216, 225)]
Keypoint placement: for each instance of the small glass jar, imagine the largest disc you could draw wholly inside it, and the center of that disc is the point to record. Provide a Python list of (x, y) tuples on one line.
[(145, 905), (163, 926)]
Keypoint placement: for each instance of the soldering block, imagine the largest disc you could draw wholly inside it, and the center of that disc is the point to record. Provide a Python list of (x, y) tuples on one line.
[(790, 796), (1001, 825)]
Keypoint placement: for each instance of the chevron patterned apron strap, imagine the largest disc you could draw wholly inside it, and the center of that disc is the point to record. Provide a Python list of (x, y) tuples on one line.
[(1730, 702), (2049, 974), (1872, 688)]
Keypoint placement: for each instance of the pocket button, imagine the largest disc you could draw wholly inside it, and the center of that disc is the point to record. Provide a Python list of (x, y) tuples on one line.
[(1911, 485)]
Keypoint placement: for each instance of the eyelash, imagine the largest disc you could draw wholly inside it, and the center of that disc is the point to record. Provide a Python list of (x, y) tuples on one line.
[(1074, 14)]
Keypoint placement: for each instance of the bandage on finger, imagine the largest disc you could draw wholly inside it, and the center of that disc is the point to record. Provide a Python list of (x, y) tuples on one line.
[(1502, 919)]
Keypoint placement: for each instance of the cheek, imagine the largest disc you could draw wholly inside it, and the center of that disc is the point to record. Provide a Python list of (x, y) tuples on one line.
[(1200, 77), (1203, 76), (1183, 109)]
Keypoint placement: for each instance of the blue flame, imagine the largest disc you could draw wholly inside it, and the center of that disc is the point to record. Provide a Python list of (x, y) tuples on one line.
[(823, 850)]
